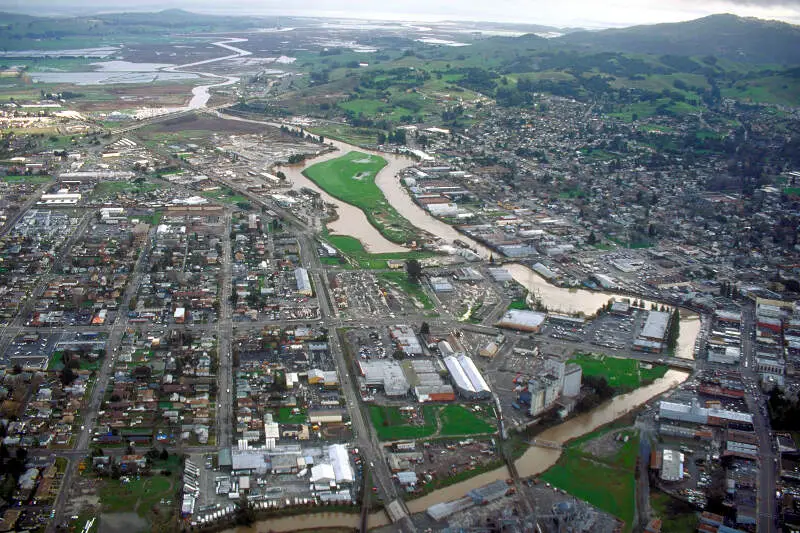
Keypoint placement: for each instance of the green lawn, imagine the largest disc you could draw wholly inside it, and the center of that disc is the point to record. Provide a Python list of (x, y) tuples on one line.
[(413, 290), (351, 179), (519, 304), (624, 374), (607, 483), (285, 416), (458, 420), (391, 424)]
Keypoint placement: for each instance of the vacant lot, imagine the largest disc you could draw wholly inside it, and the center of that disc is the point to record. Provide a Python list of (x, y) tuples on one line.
[(392, 424), (435, 421), (413, 290), (351, 179), (624, 374), (458, 420)]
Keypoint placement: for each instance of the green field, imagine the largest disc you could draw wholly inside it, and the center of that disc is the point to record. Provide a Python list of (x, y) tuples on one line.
[(445, 421), (143, 495), (623, 374), (348, 134), (413, 290), (224, 195), (351, 179), (354, 250), (391, 424), (605, 482), (35, 180), (458, 420)]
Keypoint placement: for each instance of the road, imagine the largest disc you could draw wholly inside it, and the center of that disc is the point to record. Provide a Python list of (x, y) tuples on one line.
[(756, 404), (224, 330)]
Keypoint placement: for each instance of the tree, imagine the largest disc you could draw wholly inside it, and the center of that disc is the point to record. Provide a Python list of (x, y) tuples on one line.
[(280, 175), (164, 455), (67, 376), (414, 270), (592, 238), (674, 331), (425, 329)]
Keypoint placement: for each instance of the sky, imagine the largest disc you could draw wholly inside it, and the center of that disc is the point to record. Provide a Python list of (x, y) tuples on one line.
[(565, 13)]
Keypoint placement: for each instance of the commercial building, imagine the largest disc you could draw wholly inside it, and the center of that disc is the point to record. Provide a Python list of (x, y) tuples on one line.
[(522, 320), (655, 327), (695, 414), (303, 283)]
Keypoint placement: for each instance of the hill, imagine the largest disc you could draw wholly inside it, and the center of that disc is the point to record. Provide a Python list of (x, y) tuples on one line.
[(739, 39)]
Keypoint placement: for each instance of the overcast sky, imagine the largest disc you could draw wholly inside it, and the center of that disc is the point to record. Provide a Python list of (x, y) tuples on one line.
[(587, 13)]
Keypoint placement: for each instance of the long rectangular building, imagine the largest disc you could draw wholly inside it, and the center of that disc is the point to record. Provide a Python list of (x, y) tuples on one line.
[(303, 282), (466, 377)]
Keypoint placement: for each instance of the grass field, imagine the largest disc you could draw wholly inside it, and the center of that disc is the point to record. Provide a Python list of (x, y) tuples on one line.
[(352, 248), (413, 290), (624, 374), (605, 482), (143, 495), (351, 179), (285, 416), (35, 180), (458, 420), (224, 195), (113, 188), (449, 420), (348, 134), (392, 425)]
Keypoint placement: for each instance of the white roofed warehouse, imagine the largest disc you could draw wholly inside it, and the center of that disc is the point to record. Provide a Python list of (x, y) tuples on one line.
[(466, 377)]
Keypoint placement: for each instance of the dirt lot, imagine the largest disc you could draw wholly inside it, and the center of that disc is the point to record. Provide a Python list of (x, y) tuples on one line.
[(212, 125)]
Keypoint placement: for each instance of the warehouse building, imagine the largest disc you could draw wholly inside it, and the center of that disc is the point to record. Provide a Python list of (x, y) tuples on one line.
[(467, 378), (671, 465), (522, 320), (655, 327), (385, 374)]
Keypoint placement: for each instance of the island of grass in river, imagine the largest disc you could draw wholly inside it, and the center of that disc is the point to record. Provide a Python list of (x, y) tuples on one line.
[(351, 179)]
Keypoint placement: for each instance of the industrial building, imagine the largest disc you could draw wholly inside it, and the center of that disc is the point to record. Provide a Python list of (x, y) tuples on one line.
[(467, 378), (428, 384), (695, 414), (522, 320), (406, 340), (386, 374)]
